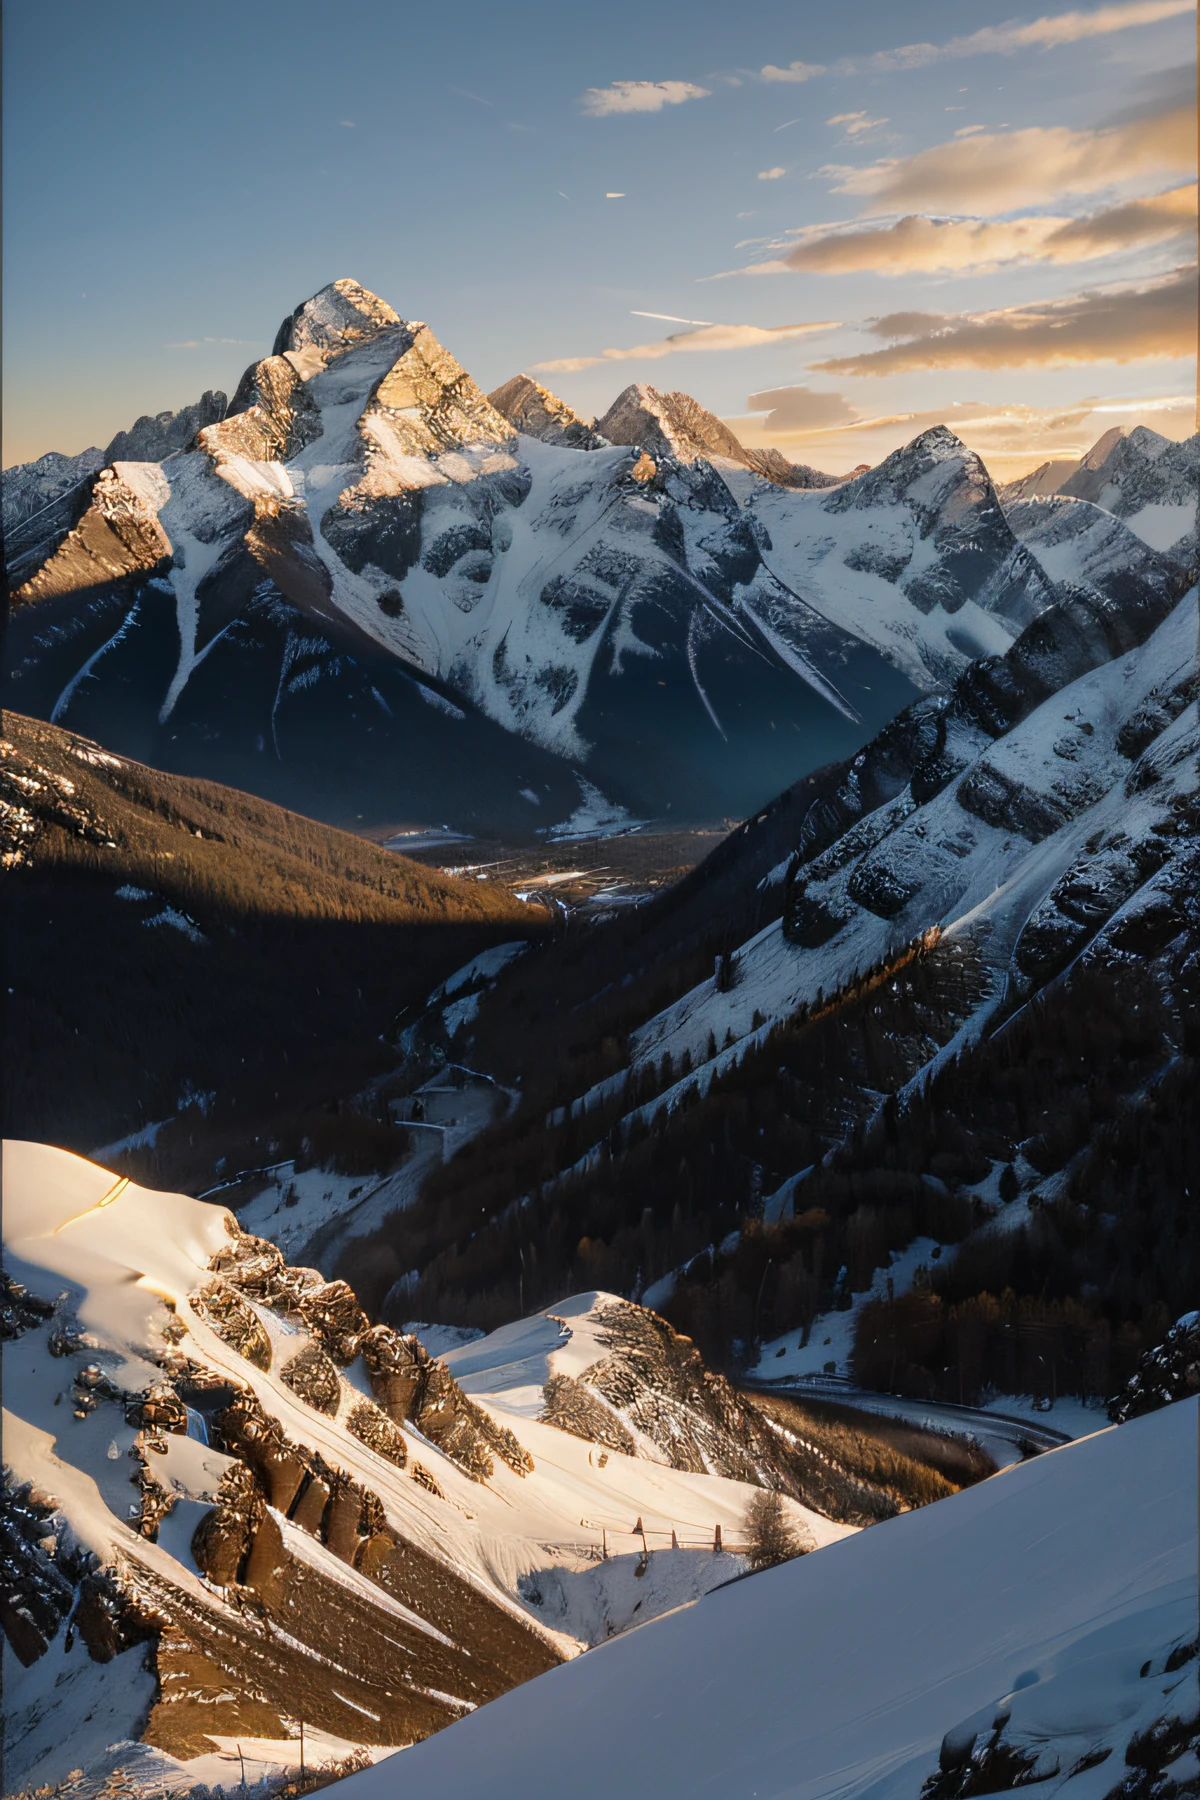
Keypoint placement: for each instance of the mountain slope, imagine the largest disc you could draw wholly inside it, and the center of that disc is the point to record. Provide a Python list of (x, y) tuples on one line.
[(1045, 1622), (172, 931), (44, 499), (1014, 858), (257, 1509)]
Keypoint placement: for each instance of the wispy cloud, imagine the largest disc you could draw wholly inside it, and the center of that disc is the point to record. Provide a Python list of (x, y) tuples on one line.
[(639, 97), (669, 318), (795, 71), (995, 172), (855, 123), (1126, 324), (917, 244), (775, 174), (204, 342), (1046, 33), (709, 337)]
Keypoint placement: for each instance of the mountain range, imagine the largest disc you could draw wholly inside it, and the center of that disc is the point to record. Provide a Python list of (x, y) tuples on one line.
[(367, 592)]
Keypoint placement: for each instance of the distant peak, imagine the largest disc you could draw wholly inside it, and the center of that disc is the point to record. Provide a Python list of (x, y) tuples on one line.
[(1103, 448), (538, 413), (336, 319), (675, 424)]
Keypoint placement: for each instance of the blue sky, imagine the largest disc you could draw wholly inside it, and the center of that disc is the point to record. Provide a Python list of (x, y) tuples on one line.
[(177, 179)]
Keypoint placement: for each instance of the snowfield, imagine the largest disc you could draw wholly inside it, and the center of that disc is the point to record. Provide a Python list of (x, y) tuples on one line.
[(1053, 1594)]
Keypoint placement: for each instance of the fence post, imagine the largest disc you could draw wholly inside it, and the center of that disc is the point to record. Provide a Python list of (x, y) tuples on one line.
[(717, 1541)]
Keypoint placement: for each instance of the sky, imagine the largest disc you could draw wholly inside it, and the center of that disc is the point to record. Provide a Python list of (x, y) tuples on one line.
[(833, 225)]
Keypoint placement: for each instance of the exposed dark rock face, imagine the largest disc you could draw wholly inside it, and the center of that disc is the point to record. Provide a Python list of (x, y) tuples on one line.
[(1170, 1371), (311, 1375)]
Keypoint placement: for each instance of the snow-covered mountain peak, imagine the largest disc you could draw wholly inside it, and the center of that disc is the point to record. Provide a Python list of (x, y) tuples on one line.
[(669, 424), (536, 412), (1112, 459), (335, 320), (935, 470), (1147, 443)]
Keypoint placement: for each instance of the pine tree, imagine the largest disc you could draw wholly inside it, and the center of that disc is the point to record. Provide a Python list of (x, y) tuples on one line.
[(770, 1539)]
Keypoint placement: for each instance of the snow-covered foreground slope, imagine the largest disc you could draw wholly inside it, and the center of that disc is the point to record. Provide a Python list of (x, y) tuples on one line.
[(1054, 1595), (259, 1510)]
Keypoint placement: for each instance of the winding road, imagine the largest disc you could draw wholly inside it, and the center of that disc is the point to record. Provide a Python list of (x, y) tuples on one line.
[(1006, 1438)]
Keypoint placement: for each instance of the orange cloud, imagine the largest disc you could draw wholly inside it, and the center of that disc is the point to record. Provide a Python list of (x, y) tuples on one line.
[(1040, 34), (1127, 324), (917, 243), (996, 172)]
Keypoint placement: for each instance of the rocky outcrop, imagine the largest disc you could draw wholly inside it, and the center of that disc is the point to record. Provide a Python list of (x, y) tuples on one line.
[(1171, 1371), (572, 1407), (271, 417), (536, 412), (237, 1324), (426, 404), (1112, 457), (118, 537), (407, 1384)]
